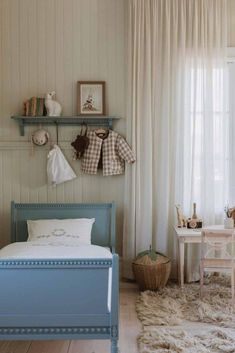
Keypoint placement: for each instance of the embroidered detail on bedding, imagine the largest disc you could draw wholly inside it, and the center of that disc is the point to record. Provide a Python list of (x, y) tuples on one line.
[(56, 244), (57, 233)]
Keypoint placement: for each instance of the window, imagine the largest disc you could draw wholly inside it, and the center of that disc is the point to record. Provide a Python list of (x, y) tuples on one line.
[(231, 133), (209, 171)]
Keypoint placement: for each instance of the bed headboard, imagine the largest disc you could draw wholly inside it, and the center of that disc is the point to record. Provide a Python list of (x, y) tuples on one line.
[(103, 230)]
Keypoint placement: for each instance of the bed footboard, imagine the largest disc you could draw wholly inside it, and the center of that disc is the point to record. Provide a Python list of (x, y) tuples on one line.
[(59, 299)]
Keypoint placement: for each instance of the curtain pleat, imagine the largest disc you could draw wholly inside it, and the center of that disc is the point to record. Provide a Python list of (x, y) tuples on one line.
[(174, 48)]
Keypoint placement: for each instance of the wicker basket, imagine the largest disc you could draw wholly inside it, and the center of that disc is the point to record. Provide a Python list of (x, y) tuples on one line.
[(151, 273)]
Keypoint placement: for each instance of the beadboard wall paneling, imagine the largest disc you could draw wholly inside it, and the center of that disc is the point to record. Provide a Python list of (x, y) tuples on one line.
[(24, 178), (231, 23), (50, 45)]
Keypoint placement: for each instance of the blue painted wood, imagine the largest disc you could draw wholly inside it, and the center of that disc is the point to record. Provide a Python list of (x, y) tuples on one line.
[(53, 296), (99, 120), (114, 346), (113, 226), (55, 263), (114, 313), (103, 230), (60, 298)]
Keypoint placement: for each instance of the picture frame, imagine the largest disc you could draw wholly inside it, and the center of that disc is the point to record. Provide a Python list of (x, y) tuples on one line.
[(91, 97)]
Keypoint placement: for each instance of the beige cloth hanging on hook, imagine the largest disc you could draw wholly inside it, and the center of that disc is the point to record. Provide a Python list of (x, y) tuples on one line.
[(58, 168)]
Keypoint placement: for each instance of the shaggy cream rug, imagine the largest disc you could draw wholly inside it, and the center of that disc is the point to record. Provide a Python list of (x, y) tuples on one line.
[(159, 340), (178, 310)]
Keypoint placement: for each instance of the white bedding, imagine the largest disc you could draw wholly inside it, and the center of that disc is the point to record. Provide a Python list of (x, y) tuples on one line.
[(38, 250)]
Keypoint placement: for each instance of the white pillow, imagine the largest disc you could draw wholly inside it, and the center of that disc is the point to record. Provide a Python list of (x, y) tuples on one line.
[(64, 231)]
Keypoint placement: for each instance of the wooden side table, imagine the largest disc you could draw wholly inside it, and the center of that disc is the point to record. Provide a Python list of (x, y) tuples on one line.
[(190, 236), (185, 236)]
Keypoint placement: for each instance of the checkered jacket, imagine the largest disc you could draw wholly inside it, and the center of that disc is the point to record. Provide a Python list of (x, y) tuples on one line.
[(115, 151)]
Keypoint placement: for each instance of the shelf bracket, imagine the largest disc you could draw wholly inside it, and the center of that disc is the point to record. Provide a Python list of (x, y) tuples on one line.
[(110, 124), (21, 126), (57, 133)]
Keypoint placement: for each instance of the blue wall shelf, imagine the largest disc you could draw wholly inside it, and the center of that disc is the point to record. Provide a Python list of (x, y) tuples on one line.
[(99, 120)]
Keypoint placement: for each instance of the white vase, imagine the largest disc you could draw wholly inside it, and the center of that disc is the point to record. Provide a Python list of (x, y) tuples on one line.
[(228, 223)]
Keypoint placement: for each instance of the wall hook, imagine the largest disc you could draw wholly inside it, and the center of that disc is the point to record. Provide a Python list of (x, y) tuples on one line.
[(57, 133)]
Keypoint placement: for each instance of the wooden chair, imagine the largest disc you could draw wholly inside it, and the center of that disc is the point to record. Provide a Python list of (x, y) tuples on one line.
[(217, 255)]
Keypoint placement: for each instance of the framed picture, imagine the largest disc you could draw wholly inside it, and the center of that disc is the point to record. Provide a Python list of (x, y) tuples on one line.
[(91, 98)]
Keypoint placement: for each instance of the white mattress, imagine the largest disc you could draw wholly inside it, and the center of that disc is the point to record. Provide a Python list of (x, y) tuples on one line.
[(37, 250)]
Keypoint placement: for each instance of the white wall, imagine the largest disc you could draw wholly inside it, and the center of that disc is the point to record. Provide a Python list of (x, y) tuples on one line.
[(50, 45)]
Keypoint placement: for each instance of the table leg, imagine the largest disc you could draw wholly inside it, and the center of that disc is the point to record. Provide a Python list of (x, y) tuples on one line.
[(181, 262), (178, 260)]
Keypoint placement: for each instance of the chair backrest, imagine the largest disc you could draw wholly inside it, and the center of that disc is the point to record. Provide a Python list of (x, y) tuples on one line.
[(215, 241)]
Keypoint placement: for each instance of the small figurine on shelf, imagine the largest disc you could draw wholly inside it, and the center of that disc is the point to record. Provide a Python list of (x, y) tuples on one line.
[(182, 221), (53, 107)]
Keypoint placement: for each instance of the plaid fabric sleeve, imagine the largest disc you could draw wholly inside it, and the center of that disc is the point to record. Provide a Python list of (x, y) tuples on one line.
[(124, 150)]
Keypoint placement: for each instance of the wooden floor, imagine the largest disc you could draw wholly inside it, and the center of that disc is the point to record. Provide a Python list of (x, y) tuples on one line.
[(129, 329)]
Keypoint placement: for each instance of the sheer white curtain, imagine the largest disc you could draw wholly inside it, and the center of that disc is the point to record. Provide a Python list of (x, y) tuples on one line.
[(176, 119)]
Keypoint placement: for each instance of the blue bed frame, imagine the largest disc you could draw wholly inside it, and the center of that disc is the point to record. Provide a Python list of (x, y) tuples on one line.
[(60, 299)]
